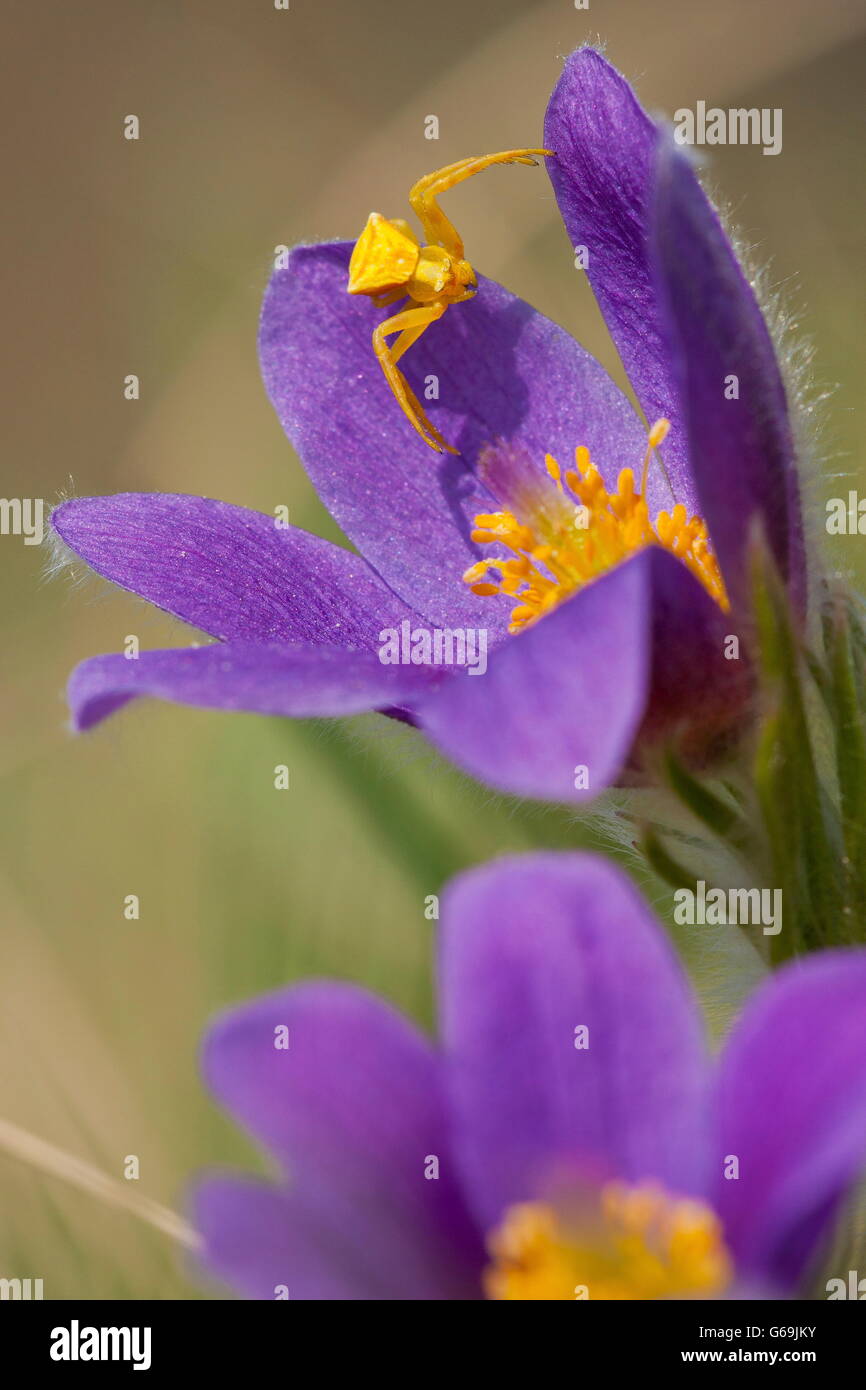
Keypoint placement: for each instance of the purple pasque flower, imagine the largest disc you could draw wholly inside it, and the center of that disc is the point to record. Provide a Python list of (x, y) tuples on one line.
[(569, 1130), (598, 642)]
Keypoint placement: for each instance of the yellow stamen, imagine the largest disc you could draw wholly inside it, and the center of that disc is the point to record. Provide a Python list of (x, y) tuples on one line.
[(579, 532), (635, 1243), (657, 436)]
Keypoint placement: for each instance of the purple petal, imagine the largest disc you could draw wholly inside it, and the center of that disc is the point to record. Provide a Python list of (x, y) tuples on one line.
[(229, 571), (533, 948), (643, 645), (503, 371), (603, 174), (569, 691), (293, 680), (258, 1238), (792, 1109), (353, 1111), (742, 450), (697, 696)]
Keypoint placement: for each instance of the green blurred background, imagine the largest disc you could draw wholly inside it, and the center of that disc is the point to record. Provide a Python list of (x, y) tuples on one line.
[(261, 127)]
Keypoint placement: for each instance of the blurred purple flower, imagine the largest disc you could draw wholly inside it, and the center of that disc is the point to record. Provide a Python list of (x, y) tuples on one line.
[(635, 653), (570, 1120)]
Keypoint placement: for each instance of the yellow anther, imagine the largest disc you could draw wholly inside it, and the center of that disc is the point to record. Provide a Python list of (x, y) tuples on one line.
[(629, 1243), (578, 532), (476, 571), (657, 434)]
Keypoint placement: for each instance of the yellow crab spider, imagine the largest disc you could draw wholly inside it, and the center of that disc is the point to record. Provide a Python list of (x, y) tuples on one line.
[(389, 263)]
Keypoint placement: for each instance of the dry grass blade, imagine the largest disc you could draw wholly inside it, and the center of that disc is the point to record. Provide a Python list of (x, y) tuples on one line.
[(59, 1164)]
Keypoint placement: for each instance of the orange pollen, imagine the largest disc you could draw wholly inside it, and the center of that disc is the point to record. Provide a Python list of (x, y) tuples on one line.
[(578, 532)]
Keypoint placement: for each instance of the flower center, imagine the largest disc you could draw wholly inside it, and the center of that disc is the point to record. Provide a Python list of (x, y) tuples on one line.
[(634, 1243), (565, 535)]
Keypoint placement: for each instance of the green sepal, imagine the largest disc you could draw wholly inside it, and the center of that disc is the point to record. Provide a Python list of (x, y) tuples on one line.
[(720, 816), (662, 862), (803, 827)]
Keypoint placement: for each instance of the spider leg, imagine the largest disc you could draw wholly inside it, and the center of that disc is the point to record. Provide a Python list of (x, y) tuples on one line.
[(388, 297), (410, 324), (437, 228)]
